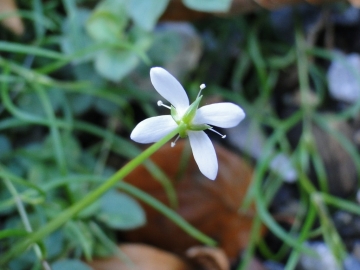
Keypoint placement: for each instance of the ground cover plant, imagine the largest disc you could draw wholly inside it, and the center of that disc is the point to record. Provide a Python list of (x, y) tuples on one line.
[(76, 80)]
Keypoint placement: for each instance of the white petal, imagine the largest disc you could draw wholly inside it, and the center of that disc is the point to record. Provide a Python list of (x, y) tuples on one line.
[(153, 129), (204, 153), (223, 115), (169, 88)]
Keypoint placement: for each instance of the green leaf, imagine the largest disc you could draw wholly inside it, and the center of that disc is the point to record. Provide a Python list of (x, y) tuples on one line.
[(23, 261), (115, 64), (118, 60), (120, 211), (75, 37), (208, 5), (54, 244), (108, 21), (146, 13), (70, 264)]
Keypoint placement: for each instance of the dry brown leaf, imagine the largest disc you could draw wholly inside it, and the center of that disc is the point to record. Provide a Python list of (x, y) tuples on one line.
[(142, 257), (208, 258), (13, 23), (210, 206)]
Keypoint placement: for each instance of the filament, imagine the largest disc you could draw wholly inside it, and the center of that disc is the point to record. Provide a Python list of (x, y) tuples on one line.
[(217, 132), (202, 86), (174, 142)]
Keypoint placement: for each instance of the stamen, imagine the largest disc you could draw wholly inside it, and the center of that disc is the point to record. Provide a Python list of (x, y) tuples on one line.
[(174, 142), (202, 86), (217, 132), (160, 103)]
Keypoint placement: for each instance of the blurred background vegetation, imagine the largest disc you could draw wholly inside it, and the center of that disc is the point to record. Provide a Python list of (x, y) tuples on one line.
[(75, 81)]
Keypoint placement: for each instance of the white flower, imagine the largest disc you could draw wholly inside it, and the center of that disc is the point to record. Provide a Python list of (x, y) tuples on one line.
[(192, 120)]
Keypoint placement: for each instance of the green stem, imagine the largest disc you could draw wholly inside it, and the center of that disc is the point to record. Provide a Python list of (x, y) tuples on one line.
[(250, 250), (55, 136), (25, 221), (56, 223), (331, 236), (304, 234)]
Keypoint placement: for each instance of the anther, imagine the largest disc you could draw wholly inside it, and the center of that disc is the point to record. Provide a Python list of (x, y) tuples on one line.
[(160, 103), (174, 142), (217, 132), (202, 86)]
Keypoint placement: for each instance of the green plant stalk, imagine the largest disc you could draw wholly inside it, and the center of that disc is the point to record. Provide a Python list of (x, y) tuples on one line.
[(132, 190), (55, 136), (304, 234), (54, 130), (35, 77), (56, 223), (25, 221), (107, 243), (250, 250), (331, 236), (261, 204)]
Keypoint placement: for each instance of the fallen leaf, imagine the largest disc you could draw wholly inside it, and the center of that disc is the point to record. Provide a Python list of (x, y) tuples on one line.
[(210, 206), (209, 258), (14, 22), (141, 257)]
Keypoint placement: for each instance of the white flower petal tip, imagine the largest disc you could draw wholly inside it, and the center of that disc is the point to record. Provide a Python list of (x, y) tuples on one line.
[(224, 115), (204, 153), (153, 129), (169, 87)]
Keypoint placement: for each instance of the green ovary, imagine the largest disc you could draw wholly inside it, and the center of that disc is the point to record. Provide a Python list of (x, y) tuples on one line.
[(184, 122)]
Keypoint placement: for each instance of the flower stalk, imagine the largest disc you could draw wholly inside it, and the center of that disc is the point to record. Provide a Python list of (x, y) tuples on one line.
[(72, 211)]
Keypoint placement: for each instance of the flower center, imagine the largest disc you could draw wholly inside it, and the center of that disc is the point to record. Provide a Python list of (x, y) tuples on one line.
[(191, 111), (185, 121)]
